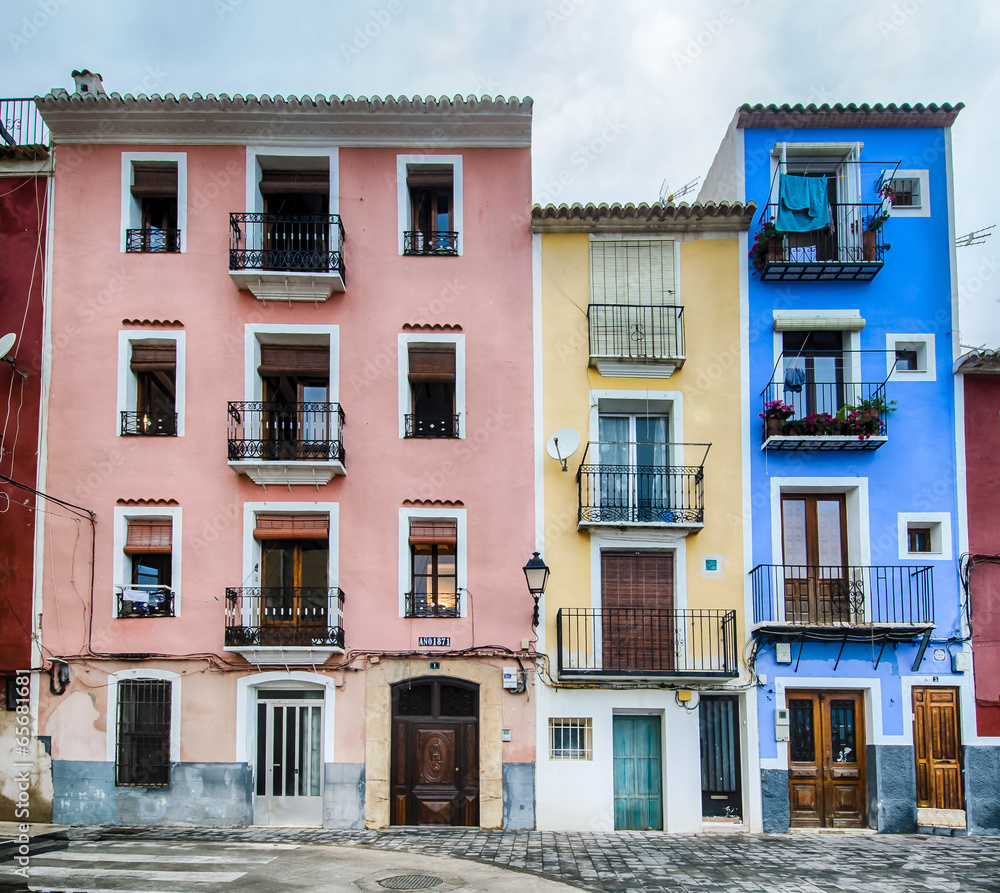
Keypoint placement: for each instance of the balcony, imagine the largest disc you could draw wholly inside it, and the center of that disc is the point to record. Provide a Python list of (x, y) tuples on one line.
[(631, 341), (625, 642), (22, 131), (826, 407), (141, 600), (286, 443), (149, 424), (428, 425), (438, 242), (642, 485), (152, 241), (421, 604), (287, 257), (849, 253), (285, 624), (849, 601)]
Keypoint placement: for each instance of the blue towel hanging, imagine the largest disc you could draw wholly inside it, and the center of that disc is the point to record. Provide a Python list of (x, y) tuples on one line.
[(795, 378), (803, 205)]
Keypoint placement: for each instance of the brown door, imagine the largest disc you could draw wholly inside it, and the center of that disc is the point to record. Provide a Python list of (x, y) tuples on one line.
[(826, 760), (814, 546), (935, 742), (637, 602), (435, 753)]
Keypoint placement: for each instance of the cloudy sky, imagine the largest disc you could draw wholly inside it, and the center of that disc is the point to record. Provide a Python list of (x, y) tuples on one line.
[(627, 94)]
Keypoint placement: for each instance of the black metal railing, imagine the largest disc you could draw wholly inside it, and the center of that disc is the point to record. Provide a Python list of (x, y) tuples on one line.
[(641, 333), (431, 425), (143, 600), (619, 484), (152, 241), (285, 616), (422, 604), (294, 243), (149, 424), (286, 432), (646, 642), (440, 241), (21, 124), (848, 595)]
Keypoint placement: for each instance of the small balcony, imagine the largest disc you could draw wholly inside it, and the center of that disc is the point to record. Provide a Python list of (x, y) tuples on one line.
[(287, 257), (437, 242), (152, 241), (642, 485), (22, 131), (636, 341), (285, 624), (422, 604), (852, 601), (430, 425), (149, 424), (286, 443), (141, 600), (626, 642)]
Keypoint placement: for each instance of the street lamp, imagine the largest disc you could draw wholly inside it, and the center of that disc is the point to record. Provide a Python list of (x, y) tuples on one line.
[(536, 572)]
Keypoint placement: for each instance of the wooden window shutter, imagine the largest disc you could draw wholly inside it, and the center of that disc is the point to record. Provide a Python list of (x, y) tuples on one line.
[(432, 363), (153, 358), (430, 176), (301, 182), (154, 182), (432, 532), (292, 527), (145, 537), (632, 272), (288, 360), (637, 579)]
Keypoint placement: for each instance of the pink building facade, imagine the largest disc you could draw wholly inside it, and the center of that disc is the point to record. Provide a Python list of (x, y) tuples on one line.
[(291, 374)]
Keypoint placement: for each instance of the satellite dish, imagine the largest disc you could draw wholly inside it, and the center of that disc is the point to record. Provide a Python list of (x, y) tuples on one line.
[(6, 343), (563, 444)]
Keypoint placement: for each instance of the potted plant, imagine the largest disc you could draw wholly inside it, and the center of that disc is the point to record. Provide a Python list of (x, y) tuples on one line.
[(766, 247), (776, 413), (872, 224), (865, 418)]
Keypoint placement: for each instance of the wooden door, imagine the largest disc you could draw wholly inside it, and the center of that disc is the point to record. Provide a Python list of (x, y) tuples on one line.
[(826, 760), (435, 753), (638, 773), (637, 616), (814, 548), (935, 743)]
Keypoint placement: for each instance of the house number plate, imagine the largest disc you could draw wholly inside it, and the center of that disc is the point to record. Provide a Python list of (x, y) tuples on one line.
[(425, 641)]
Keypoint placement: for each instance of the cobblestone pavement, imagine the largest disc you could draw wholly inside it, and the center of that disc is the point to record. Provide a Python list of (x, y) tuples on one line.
[(650, 863)]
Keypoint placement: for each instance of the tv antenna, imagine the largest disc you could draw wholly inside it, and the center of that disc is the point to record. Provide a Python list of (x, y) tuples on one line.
[(562, 445), (976, 237), (667, 195)]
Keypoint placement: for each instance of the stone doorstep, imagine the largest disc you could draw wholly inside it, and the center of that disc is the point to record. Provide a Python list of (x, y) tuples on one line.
[(928, 817)]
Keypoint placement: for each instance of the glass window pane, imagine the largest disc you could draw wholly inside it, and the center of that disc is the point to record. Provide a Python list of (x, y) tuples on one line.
[(793, 522), (802, 743), (829, 532), (842, 732)]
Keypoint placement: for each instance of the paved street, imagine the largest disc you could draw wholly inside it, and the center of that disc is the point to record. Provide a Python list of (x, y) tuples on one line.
[(259, 860)]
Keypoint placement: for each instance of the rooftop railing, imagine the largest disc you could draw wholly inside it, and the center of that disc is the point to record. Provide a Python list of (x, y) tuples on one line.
[(21, 124)]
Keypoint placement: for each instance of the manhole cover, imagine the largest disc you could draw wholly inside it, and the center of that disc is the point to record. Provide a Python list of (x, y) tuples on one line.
[(410, 882)]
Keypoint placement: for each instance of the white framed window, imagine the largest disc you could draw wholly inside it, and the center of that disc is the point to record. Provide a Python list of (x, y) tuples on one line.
[(147, 561), (910, 356), (431, 385), (151, 383), (143, 726), (433, 562), (910, 195), (271, 180), (429, 195), (154, 202), (571, 738), (925, 536)]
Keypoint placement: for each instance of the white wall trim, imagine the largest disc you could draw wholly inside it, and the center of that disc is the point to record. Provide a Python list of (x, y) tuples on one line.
[(925, 193), (940, 537), (608, 540), (130, 214), (855, 490), (111, 736), (458, 515), (271, 333), (403, 364), (254, 200), (122, 515), (251, 547), (403, 193), (923, 342), (541, 435), (127, 382)]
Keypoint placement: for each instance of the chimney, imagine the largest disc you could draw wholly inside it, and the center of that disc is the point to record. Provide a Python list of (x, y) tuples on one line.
[(88, 82)]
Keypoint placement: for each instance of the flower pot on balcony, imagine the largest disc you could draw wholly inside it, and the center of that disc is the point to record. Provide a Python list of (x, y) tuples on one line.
[(869, 245), (774, 427), (774, 251)]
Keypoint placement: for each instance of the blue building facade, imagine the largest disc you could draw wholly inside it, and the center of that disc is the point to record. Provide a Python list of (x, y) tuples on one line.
[(865, 707)]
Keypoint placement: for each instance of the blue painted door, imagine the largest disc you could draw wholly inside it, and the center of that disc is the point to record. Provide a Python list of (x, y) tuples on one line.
[(638, 774)]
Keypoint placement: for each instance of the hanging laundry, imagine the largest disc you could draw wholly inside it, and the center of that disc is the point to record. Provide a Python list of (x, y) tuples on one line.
[(803, 205)]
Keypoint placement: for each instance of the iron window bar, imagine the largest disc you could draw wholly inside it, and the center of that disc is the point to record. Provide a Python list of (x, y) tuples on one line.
[(286, 432), (431, 425), (143, 739), (422, 604), (153, 600), (153, 241), (435, 242), (284, 616), (645, 333), (149, 424), (294, 243)]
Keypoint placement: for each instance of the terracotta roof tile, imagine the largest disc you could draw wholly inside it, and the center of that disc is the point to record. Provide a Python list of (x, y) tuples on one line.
[(850, 115), (670, 217)]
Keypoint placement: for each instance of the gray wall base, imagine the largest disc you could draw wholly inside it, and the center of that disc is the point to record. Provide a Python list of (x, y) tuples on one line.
[(892, 788), (774, 800), (982, 790), (519, 796), (344, 795)]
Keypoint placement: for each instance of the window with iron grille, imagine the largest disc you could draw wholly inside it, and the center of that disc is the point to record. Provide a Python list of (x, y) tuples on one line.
[(571, 738), (906, 192), (143, 754)]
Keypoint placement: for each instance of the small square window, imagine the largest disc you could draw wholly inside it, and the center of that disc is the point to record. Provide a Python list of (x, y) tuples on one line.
[(907, 360), (910, 356), (571, 738), (918, 539), (905, 192)]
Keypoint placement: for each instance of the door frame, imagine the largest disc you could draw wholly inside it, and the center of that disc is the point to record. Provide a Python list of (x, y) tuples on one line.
[(660, 718), (957, 689)]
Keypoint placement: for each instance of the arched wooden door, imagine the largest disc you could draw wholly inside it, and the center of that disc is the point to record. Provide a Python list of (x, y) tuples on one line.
[(435, 753)]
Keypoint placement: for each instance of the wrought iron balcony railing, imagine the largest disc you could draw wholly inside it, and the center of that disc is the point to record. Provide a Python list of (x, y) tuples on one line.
[(443, 242), (293, 243), (847, 250), (142, 600), (642, 483), (285, 616), (21, 124), (849, 595), (646, 642), (149, 424), (643, 334), (422, 604), (430, 425), (152, 241), (286, 432)]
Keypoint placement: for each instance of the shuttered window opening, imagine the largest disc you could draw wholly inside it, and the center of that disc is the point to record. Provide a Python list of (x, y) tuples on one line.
[(151, 180), (143, 753), (632, 272), (153, 358), (429, 364), (718, 745), (433, 533), (637, 579), (301, 361), (301, 182), (146, 537), (430, 176), (292, 527)]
